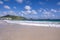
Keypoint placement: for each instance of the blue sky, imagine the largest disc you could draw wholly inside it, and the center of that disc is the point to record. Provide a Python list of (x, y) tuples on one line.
[(37, 9)]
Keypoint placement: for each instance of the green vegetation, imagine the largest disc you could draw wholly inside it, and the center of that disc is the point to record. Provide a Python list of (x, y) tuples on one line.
[(12, 17)]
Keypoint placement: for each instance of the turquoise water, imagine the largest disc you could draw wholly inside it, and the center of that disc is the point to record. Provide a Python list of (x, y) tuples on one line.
[(39, 22), (36, 23)]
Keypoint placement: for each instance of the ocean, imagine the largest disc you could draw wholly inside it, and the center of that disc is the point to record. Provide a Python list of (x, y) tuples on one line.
[(35, 23)]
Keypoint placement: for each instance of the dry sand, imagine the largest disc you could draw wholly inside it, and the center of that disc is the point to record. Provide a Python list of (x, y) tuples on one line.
[(20, 32)]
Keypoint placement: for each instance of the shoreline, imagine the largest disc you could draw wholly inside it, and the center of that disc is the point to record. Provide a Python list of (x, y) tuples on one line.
[(30, 23), (6, 24), (21, 32), (24, 32)]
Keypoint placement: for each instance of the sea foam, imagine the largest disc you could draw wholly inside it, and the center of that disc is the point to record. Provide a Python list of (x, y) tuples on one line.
[(35, 23)]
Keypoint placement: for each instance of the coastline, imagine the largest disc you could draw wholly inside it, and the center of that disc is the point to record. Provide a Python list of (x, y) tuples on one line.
[(21, 32), (24, 32), (35, 23)]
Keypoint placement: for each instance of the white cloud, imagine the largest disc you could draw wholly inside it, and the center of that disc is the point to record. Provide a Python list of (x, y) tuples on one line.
[(12, 13), (5, 13), (53, 15), (28, 2), (58, 3), (14, 7), (59, 11), (28, 10), (6, 6), (27, 7), (19, 1), (47, 10), (45, 13), (1, 2), (39, 10), (21, 14), (34, 12), (53, 10)]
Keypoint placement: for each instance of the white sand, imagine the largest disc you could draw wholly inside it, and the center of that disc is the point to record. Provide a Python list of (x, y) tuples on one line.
[(20, 32)]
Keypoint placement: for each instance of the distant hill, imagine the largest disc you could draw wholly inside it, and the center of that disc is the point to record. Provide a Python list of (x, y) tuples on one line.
[(13, 17)]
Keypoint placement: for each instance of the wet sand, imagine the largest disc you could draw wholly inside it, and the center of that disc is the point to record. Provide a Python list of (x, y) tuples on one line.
[(21, 32)]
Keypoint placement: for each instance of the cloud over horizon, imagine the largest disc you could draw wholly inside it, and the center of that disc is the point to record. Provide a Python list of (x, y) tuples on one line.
[(31, 8), (58, 3), (1, 2), (6, 7), (19, 1)]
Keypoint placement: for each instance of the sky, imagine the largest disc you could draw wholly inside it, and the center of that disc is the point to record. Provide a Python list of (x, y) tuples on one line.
[(36, 9)]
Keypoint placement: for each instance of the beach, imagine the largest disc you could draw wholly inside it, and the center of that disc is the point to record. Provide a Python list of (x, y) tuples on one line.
[(9, 31)]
